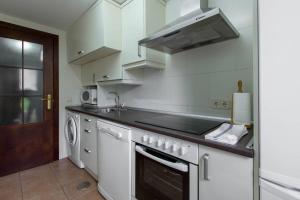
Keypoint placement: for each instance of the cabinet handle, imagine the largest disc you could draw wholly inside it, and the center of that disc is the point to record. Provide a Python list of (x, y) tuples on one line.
[(94, 78), (87, 150), (139, 51), (88, 120), (205, 170), (87, 131), (106, 76), (80, 52)]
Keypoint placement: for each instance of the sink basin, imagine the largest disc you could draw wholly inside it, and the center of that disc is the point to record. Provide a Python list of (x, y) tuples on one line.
[(111, 109)]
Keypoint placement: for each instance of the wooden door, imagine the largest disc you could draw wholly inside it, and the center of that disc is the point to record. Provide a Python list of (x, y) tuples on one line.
[(28, 98)]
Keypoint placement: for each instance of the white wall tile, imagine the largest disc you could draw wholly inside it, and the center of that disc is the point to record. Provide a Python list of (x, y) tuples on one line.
[(193, 78)]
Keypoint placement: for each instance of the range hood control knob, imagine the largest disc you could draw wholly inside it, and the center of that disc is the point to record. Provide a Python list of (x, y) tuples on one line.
[(145, 138), (167, 145), (150, 140)]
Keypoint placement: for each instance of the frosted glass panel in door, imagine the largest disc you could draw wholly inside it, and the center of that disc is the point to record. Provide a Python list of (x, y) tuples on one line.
[(11, 52), (10, 110), (33, 82), (33, 109), (33, 56), (10, 81)]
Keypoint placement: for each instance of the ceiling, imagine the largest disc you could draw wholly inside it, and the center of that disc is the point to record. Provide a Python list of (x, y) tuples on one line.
[(55, 13)]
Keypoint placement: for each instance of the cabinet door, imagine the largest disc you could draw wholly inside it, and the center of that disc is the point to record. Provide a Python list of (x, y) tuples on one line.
[(110, 68), (229, 176), (89, 75), (133, 16), (106, 69), (88, 149), (86, 35), (75, 40)]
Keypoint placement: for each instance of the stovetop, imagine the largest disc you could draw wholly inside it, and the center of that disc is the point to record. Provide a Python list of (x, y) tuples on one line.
[(185, 124)]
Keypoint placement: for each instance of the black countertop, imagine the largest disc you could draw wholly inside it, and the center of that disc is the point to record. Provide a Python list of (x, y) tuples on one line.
[(131, 116)]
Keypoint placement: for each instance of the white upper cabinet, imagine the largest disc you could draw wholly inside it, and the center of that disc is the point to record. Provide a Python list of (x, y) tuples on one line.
[(140, 18), (105, 69), (96, 34)]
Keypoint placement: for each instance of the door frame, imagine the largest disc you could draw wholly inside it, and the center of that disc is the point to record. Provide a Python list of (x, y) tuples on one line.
[(55, 39)]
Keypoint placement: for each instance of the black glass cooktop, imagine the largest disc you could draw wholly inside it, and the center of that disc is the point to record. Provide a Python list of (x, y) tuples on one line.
[(184, 124)]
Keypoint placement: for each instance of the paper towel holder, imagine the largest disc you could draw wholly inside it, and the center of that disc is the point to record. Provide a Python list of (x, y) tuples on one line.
[(240, 90)]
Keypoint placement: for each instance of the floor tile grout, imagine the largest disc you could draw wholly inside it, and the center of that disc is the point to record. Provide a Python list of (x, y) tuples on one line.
[(20, 184), (28, 185), (60, 185)]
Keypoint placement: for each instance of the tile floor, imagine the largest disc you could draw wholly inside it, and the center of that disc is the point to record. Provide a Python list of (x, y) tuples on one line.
[(59, 180)]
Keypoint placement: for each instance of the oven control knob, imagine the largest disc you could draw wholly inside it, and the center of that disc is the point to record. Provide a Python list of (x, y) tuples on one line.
[(150, 140), (167, 145), (183, 151), (145, 138), (174, 148), (159, 142)]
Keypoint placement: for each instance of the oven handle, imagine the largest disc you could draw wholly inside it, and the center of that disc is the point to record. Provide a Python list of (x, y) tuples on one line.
[(178, 165)]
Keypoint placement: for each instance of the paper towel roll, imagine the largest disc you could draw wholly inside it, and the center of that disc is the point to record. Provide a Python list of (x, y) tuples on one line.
[(241, 108)]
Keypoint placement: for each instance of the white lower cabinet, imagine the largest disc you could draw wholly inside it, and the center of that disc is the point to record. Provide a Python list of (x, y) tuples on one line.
[(224, 176), (88, 147)]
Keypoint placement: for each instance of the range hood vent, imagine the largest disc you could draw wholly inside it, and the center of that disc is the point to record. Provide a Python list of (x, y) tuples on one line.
[(201, 27)]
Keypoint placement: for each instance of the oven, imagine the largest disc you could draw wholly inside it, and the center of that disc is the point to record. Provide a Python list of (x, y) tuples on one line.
[(159, 174)]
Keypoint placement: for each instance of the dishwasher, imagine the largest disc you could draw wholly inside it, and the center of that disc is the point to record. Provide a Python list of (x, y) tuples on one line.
[(114, 160)]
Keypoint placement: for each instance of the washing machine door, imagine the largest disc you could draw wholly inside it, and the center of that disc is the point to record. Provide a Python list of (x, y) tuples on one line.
[(71, 131)]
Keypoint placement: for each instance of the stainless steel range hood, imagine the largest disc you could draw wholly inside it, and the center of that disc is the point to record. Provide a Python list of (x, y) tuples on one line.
[(201, 27)]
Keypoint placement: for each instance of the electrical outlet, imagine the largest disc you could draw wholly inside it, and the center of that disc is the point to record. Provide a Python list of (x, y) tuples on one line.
[(225, 105), (215, 103), (220, 104)]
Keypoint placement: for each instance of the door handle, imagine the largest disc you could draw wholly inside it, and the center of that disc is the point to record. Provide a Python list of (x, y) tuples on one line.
[(49, 101)]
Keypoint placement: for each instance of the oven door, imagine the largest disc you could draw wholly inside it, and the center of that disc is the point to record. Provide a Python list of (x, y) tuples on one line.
[(160, 176)]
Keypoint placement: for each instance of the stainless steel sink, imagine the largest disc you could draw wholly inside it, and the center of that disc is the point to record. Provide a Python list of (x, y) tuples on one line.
[(111, 109)]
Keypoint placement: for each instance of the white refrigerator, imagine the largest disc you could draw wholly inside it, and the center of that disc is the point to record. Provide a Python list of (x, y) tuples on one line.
[(279, 99)]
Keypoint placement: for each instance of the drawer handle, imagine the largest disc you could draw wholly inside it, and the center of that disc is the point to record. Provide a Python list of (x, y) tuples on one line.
[(139, 51), (87, 131), (106, 76), (88, 120), (80, 52), (205, 163), (87, 150)]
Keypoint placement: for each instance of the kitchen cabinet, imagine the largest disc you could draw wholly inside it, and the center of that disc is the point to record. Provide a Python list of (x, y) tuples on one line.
[(88, 144), (96, 34), (109, 71), (140, 18), (106, 69), (224, 176)]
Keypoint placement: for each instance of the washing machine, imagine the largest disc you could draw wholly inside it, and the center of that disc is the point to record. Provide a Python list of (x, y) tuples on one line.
[(72, 134)]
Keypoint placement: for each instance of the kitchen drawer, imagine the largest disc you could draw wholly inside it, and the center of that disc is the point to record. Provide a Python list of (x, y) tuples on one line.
[(88, 146)]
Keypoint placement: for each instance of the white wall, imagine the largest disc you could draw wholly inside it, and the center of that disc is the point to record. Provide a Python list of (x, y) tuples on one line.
[(69, 76), (193, 78)]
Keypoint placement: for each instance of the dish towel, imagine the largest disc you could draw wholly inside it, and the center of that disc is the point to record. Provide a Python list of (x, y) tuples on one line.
[(227, 133)]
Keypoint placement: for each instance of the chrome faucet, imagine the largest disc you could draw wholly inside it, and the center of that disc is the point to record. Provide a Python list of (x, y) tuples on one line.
[(117, 99)]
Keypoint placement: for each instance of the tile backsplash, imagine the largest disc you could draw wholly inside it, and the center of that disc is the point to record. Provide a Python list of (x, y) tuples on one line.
[(192, 79)]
